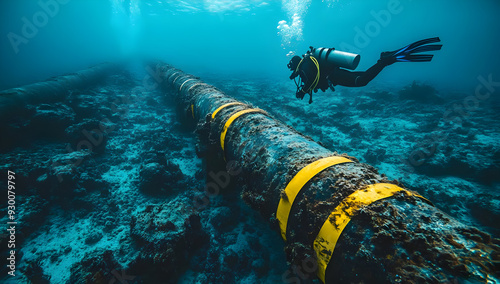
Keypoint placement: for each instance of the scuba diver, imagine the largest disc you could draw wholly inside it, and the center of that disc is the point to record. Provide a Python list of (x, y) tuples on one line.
[(323, 68)]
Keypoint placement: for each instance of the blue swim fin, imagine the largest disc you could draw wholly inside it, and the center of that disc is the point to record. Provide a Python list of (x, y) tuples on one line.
[(407, 53)]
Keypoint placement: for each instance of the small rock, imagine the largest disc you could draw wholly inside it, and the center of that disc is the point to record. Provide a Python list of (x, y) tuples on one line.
[(158, 179), (221, 218), (93, 238)]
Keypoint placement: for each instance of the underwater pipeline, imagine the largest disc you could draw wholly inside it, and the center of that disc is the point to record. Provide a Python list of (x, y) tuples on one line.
[(357, 225), (52, 90)]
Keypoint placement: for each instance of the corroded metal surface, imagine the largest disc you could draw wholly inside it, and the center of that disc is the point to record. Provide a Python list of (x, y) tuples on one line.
[(403, 238)]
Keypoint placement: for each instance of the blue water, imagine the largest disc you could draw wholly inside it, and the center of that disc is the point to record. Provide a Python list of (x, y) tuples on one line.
[(247, 38), (241, 47)]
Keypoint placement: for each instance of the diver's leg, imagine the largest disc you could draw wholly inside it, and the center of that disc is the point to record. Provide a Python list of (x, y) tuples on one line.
[(368, 75), (355, 79)]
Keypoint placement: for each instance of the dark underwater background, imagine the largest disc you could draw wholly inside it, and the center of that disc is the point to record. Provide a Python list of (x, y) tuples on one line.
[(125, 213)]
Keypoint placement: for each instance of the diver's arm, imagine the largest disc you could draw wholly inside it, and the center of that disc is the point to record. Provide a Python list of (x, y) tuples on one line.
[(356, 79)]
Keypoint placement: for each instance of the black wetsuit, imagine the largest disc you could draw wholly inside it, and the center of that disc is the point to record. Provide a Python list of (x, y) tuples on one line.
[(330, 77), (343, 77)]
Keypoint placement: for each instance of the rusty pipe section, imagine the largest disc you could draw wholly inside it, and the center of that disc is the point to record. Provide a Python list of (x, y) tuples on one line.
[(52, 90), (355, 224)]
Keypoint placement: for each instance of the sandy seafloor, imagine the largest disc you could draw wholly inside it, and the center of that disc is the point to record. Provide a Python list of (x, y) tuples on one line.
[(125, 212)]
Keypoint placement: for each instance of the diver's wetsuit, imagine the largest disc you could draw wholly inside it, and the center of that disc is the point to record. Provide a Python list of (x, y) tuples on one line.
[(333, 76), (354, 79), (342, 77), (328, 76)]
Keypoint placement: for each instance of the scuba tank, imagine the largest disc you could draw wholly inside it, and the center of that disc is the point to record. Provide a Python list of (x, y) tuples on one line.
[(330, 56)]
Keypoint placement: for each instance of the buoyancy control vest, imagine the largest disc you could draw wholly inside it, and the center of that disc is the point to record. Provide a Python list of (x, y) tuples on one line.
[(308, 68)]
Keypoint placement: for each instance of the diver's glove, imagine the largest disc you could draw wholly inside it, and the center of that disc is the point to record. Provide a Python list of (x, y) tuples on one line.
[(300, 94)]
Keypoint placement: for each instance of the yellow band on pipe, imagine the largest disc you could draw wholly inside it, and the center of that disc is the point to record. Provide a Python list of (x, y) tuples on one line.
[(173, 83), (223, 106), (172, 75), (232, 118), (325, 242), (192, 110), (194, 85), (180, 88), (298, 181)]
